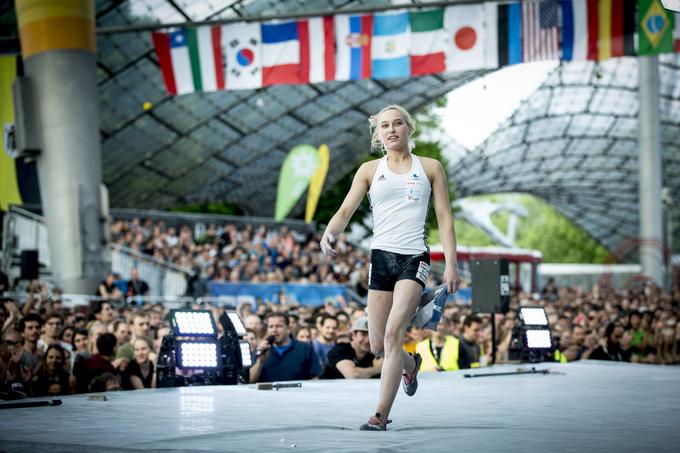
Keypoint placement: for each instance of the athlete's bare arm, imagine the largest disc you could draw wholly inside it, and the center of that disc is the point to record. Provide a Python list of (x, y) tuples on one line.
[(447, 233), (359, 188)]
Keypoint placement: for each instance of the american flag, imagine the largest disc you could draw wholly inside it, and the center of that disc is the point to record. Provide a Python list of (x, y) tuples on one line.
[(540, 32)]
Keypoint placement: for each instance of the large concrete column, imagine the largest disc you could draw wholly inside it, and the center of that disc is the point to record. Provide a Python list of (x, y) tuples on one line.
[(651, 228), (58, 48)]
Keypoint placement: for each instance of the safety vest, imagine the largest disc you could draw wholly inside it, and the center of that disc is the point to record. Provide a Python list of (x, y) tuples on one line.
[(448, 359), (410, 347), (559, 356)]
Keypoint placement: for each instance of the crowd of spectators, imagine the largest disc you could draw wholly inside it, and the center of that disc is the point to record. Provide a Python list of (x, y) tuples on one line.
[(248, 254), (50, 347)]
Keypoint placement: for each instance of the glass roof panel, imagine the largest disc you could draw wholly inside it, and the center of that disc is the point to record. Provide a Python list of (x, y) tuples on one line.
[(592, 177), (576, 135)]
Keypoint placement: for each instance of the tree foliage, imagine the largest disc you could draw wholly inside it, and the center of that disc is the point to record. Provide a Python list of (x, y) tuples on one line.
[(543, 229), (211, 208), (557, 238)]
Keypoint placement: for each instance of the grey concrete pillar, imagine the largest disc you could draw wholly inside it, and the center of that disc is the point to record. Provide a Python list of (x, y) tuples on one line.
[(58, 48), (651, 228)]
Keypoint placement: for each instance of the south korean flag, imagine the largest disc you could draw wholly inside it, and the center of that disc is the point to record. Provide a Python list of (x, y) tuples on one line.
[(242, 44)]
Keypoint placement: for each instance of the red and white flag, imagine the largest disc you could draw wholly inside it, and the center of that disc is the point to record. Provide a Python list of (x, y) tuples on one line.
[(320, 60)]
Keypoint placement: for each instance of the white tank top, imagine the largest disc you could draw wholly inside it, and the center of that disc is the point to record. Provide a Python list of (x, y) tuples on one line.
[(399, 204)]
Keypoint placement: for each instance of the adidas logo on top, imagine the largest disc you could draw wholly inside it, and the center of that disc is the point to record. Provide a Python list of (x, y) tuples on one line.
[(381, 178)]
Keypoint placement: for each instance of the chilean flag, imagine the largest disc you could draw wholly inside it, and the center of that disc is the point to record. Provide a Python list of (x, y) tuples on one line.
[(353, 35), (283, 45)]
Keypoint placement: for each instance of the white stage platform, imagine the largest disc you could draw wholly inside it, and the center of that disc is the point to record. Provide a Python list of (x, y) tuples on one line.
[(579, 407)]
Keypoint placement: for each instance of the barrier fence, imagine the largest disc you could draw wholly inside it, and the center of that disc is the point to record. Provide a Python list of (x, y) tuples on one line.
[(24, 230)]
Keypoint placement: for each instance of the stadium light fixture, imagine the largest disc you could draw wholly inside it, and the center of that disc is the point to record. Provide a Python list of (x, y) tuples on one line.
[(202, 354), (531, 340), (533, 316), (246, 354), (236, 355), (191, 354), (538, 339), (233, 323), (194, 323)]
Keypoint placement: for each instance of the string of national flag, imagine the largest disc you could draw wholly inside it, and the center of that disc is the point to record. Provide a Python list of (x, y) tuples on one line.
[(405, 43)]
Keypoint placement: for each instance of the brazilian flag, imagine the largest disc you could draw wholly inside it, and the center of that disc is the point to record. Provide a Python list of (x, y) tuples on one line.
[(655, 28)]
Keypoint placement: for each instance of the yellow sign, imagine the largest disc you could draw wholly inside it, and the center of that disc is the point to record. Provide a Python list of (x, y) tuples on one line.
[(316, 183), (9, 189)]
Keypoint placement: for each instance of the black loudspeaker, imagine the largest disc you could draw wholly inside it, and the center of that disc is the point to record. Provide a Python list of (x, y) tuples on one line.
[(29, 265), (490, 285)]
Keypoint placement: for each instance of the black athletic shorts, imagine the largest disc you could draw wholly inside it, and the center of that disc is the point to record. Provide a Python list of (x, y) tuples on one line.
[(387, 268)]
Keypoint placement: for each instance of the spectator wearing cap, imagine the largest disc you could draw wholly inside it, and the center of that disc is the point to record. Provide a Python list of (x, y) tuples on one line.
[(353, 360), (281, 357)]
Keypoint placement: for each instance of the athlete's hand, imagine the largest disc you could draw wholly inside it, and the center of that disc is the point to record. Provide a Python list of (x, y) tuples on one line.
[(451, 278), (378, 363), (327, 243)]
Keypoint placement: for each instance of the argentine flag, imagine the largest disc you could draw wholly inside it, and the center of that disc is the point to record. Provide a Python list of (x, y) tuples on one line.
[(391, 45)]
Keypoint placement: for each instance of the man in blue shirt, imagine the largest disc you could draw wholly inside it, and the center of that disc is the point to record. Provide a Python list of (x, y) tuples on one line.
[(328, 331), (282, 358)]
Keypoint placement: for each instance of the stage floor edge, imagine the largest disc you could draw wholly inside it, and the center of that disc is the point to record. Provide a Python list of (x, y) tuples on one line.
[(580, 407)]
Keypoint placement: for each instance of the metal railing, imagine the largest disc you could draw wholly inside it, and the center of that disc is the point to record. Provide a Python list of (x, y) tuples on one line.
[(26, 230), (164, 278)]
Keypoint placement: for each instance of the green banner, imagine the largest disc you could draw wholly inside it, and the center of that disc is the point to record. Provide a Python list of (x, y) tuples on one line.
[(296, 172), (655, 28)]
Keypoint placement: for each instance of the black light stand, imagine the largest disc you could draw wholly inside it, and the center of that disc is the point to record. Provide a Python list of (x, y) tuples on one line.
[(508, 373), (490, 291)]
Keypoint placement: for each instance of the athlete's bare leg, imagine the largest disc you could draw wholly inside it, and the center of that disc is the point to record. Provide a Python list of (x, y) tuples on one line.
[(378, 309), (391, 318)]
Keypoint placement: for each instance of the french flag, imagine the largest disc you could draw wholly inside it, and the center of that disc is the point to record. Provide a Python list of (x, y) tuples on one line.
[(353, 35), (282, 48)]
